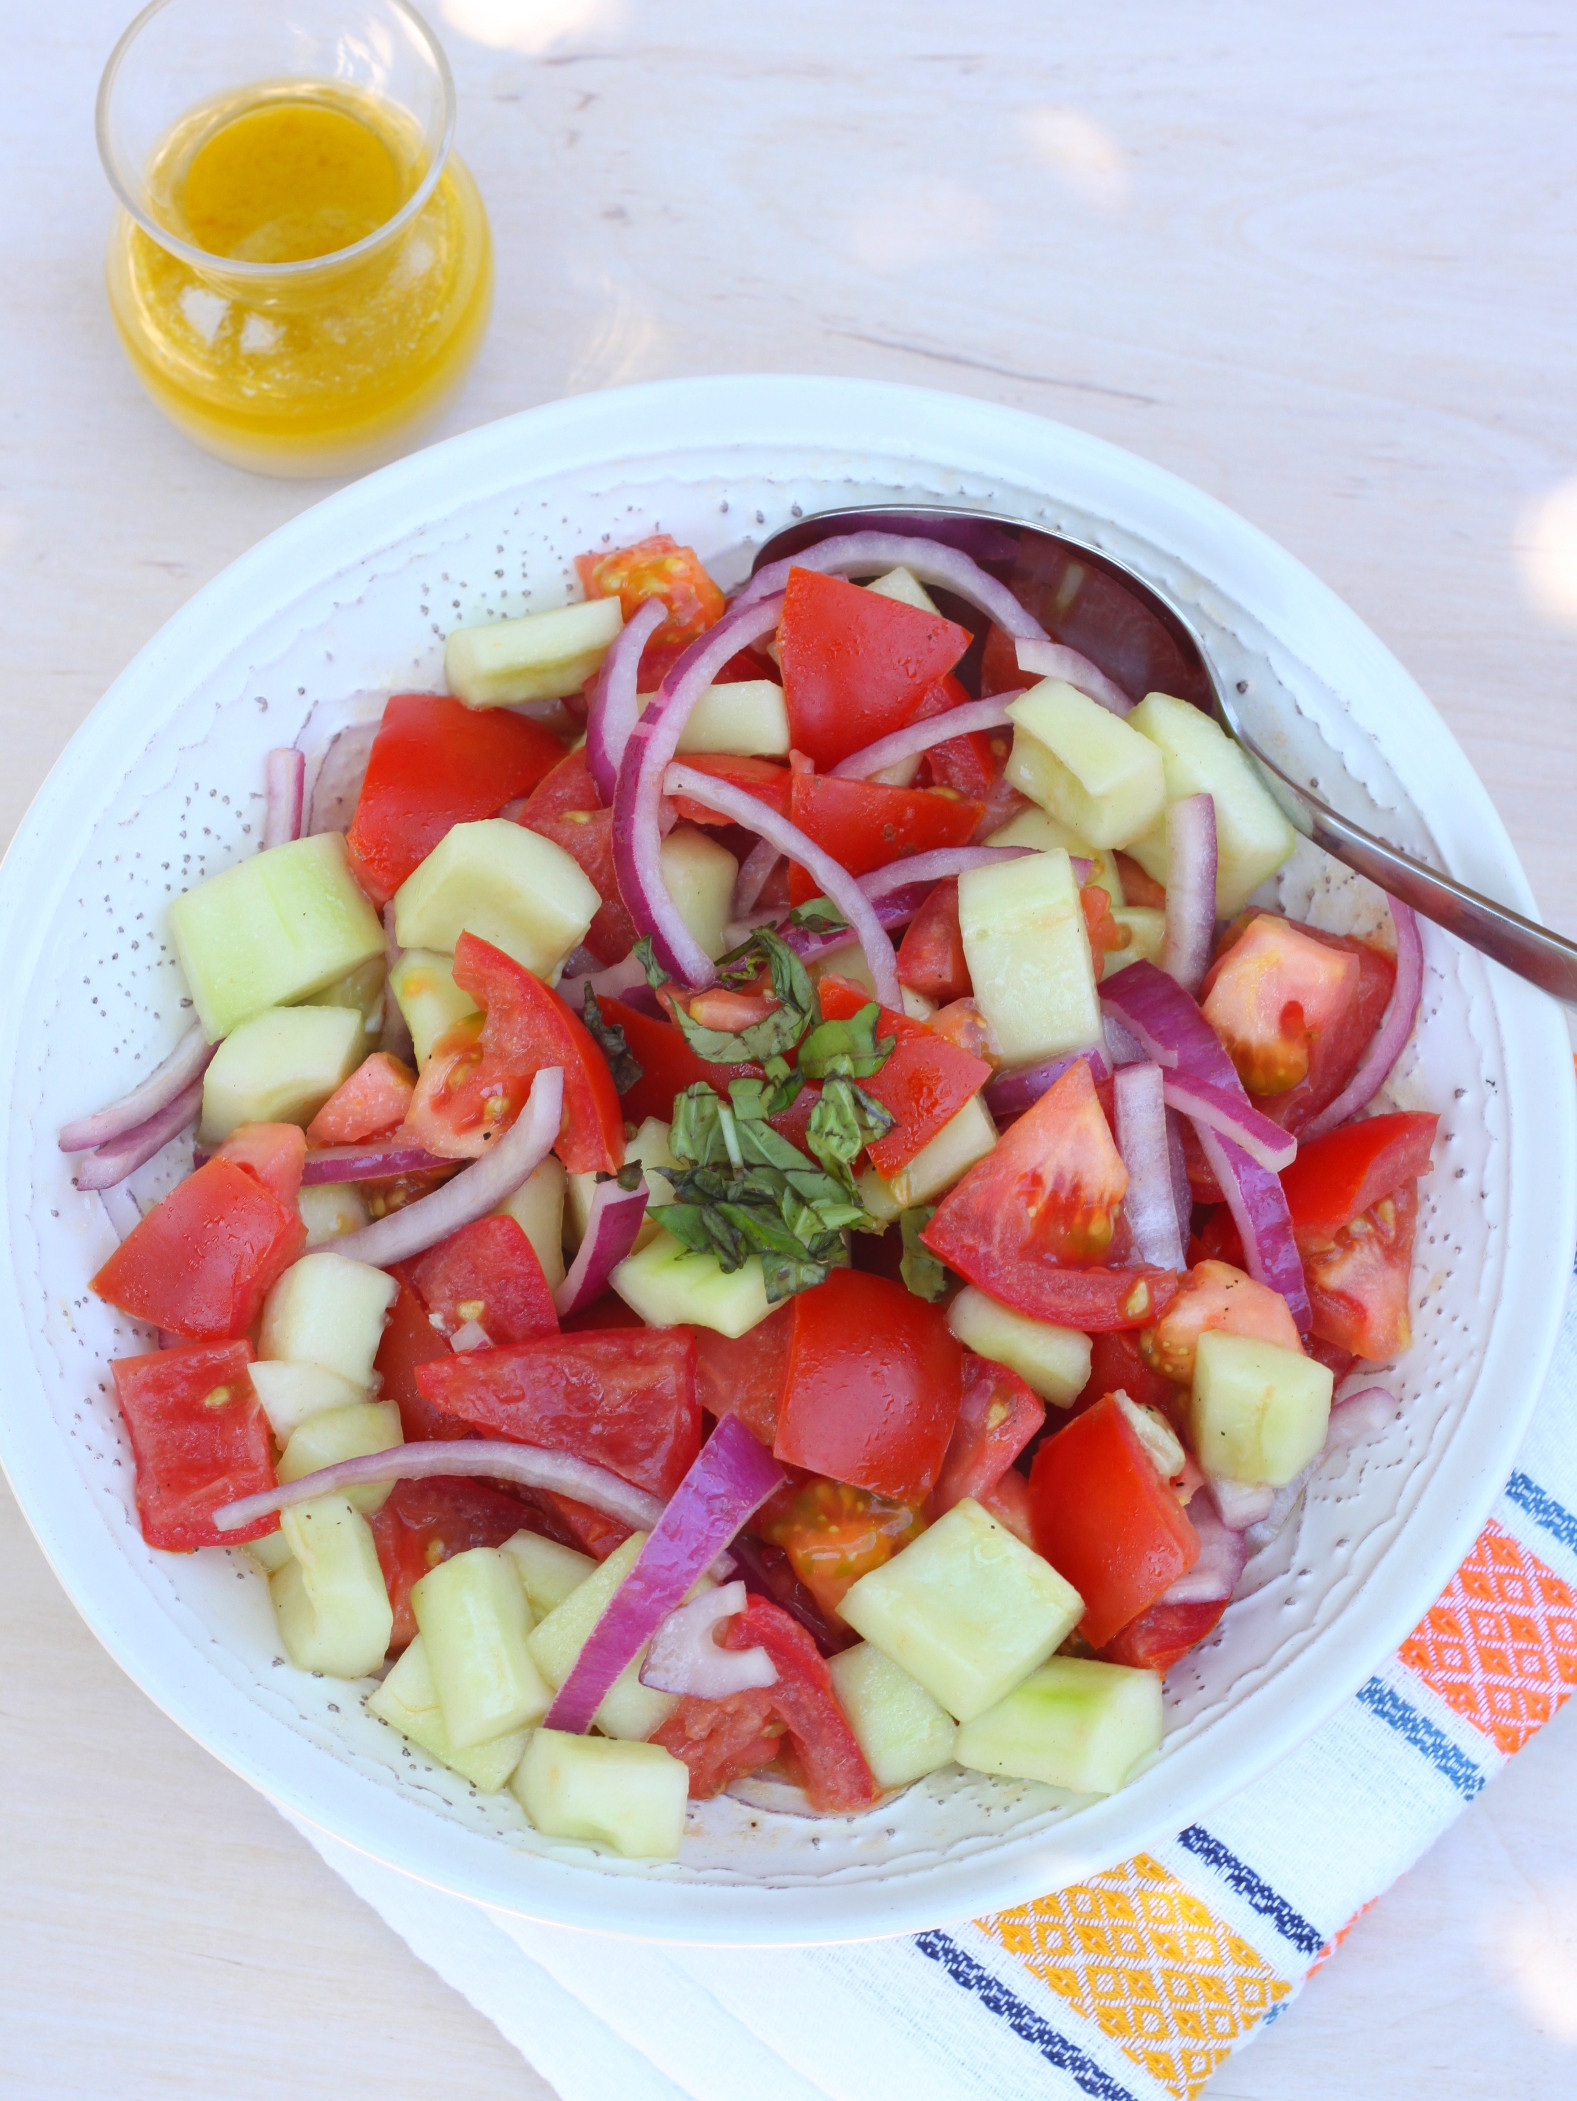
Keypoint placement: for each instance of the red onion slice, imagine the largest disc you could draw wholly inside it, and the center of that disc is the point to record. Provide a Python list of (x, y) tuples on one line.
[(285, 779), (1190, 890), (474, 1192), (187, 1062), (611, 1228), (1356, 1417), (1241, 1503), (922, 736), (1011, 1093), (1258, 1206), (732, 1476), (113, 1162), (1396, 1025), (374, 1160), (684, 1656), (527, 1464), (1148, 1203), (831, 878), (341, 771), (931, 561), (1056, 660), (1236, 1118), (934, 867), (638, 796), (1223, 1555), (754, 870), (613, 711)]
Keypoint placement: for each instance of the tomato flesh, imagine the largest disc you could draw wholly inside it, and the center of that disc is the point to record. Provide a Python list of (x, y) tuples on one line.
[(744, 1375), (766, 779), (488, 1273), (1346, 1172), (997, 1417), (834, 1533), (372, 1101), (275, 1152), (409, 1340), (566, 808), (1272, 996), (1117, 1365), (205, 1257), (856, 666), (1358, 1281), (200, 1440), (1163, 1635), (864, 825), (1215, 1296), (924, 1083), (656, 567), (425, 1522), (668, 1065), (931, 957)]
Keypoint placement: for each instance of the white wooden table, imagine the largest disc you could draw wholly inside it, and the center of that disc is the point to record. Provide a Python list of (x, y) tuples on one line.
[(1319, 260)]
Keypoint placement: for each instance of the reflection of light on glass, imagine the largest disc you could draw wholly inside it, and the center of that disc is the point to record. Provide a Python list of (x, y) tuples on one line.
[(1546, 545), (1535, 1950), (926, 221), (533, 25), (624, 345), (1088, 158)]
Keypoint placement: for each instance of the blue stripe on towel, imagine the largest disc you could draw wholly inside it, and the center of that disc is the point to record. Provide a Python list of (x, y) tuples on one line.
[(1542, 1507), (1000, 1999), (1421, 1733), (1253, 1889)]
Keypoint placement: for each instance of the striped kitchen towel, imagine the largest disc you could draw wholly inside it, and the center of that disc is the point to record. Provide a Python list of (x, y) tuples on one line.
[(1133, 1986)]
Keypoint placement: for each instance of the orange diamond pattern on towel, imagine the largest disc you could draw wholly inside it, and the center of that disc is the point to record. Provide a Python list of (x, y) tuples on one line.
[(1500, 1647), (1137, 1953)]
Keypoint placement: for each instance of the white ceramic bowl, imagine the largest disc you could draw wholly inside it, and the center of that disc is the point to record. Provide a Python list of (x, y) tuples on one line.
[(350, 602)]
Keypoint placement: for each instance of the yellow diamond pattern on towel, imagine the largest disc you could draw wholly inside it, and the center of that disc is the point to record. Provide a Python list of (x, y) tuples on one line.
[(1137, 1953)]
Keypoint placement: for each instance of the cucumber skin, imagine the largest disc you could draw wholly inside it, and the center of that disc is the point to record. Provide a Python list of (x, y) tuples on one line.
[(1072, 1723)]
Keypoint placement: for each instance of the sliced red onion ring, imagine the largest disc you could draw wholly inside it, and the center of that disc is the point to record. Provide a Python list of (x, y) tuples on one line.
[(936, 866), (612, 711), (1356, 1417), (1056, 660), (638, 796), (1240, 1503), (754, 870), (493, 1458), (1223, 1555), (374, 1160), (343, 768), (285, 780), (931, 561), (1190, 890), (113, 1162), (1182, 1193), (1011, 1093), (832, 879), (187, 1062), (891, 913), (474, 1192), (1123, 1046), (1396, 1025), (611, 1226), (1235, 1117), (922, 736), (685, 1657), (732, 1476), (1148, 1203), (1259, 1211)]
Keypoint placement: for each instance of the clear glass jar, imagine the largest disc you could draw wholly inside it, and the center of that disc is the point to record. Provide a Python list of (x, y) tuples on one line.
[(301, 273)]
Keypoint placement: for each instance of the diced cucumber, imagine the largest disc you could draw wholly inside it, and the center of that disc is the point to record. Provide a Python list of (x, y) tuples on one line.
[(851, 963), (650, 1148), (1146, 937), (963, 1139), (897, 1724), (408, 1701), (1259, 1412), (1253, 838), (330, 1311), (903, 585), (1041, 831), (916, 1005), (423, 985), (630, 1709), (292, 1394), (271, 1552), (541, 656), (329, 1210), (669, 1286), (279, 1067), (329, 1598), (548, 1571), (1072, 1723), (1029, 956), (475, 1621), (966, 1609), (749, 719), (537, 1207), (270, 930), (628, 1797), (1053, 1362), (1084, 764), (700, 876), (504, 884), (361, 989), (345, 1433)]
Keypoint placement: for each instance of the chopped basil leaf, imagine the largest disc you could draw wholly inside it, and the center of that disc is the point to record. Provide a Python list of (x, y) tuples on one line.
[(609, 1038), (924, 1274), (849, 1048)]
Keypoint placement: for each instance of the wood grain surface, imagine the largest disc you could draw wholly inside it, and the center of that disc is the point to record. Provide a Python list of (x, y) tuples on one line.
[(1317, 259)]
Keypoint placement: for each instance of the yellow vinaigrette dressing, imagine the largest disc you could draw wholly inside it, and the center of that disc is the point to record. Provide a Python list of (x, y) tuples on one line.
[(317, 362)]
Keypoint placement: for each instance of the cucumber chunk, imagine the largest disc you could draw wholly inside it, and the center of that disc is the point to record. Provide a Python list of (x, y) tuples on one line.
[(1084, 765), (1053, 1362), (963, 1139), (328, 1310), (541, 656), (504, 884), (1072, 1723), (700, 877), (272, 929), (1029, 956), (896, 1723), (1253, 838), (547, 1571), (749, 719), (329, 1598), (627, 1797), (271, 1552), (292, 1394), (475, 1620), (279, 1067), (669, 1286), (345, 1433), (329, 1210), (408, 1701), (966, 1609), (1041, 831), (1259, 1412), (361, 989), (906, 587), (423, 986), (630, 1710), (1146, 937), (537, 1207)]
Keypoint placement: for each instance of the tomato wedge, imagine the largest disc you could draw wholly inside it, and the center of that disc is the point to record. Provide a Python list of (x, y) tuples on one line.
[(864, 825), (425, 1522), (668, 1065), (206, 1256), (566, 808), (924, 1083), (656, 567), (436, 763), (488, 1273), (1163, 1635), (1215, 1296), (856, 666), (275, 1152), (409, 1340), (1117, 1365), (1272, 997), (1336, 1177), (996, 1419), (373, 1100), (931, 957), (200, 1440), (744, 1376), (766, 779), (1358, 1283)]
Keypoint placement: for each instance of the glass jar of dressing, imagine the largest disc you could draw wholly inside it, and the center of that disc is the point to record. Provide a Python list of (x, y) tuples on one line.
[(302, 270)]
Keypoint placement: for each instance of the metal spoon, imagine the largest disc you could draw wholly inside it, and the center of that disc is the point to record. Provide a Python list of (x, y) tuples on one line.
[(1085, 599)]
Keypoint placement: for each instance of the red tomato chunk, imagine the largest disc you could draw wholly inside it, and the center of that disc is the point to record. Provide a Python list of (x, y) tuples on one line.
[(1336, 1177), (205, 1258), (566, 808), (275, 1152), (656, 567), (1163, 1635), (924, 1083), (996, 1419), (372, 1101), (488, 1272), (409, 1340), (856, 666), (931, 956), (864, 825), (746, 1376), (200, 1440)]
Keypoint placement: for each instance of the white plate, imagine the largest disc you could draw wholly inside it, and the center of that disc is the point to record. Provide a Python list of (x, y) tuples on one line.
[(314, 627)]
